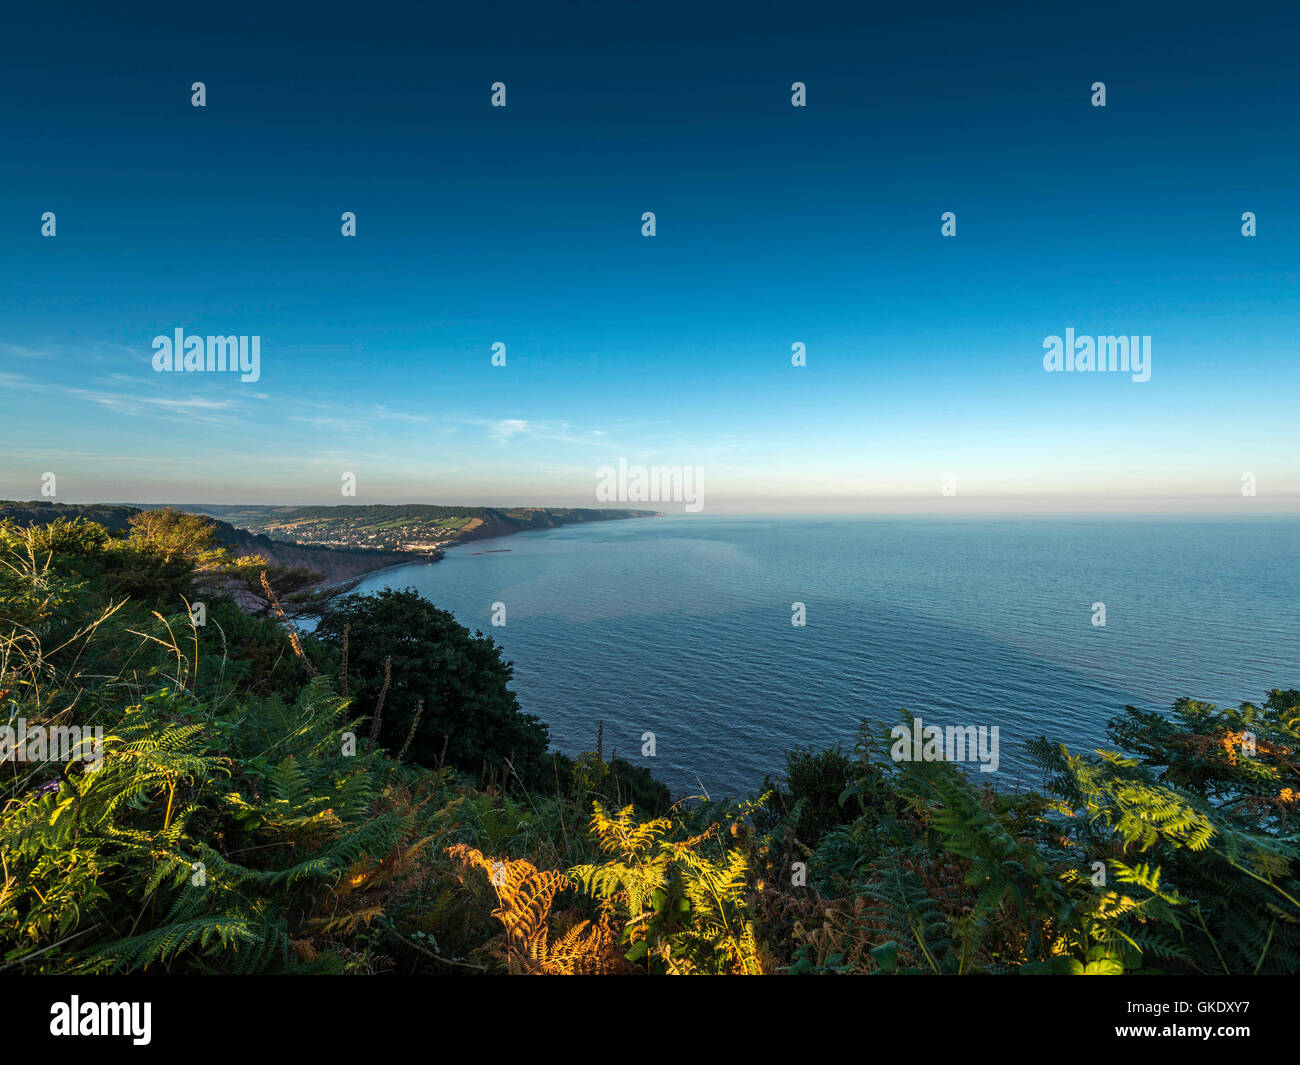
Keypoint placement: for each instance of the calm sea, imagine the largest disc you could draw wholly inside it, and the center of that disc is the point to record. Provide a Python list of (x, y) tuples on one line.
[(681, 626)]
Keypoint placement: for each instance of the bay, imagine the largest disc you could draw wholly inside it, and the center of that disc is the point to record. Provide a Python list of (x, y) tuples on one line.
[(681, 627)]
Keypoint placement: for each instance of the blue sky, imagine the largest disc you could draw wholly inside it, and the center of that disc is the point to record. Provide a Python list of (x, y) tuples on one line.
[(775, 224)]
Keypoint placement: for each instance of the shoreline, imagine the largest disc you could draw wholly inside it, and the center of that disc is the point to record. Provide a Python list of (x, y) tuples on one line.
[(415, 560), (441, 553)]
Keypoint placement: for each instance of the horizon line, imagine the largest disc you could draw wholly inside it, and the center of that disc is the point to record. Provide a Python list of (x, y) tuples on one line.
[(956, 512)]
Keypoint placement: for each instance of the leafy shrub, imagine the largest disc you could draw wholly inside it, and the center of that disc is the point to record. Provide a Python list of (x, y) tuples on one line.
[(457, 682)]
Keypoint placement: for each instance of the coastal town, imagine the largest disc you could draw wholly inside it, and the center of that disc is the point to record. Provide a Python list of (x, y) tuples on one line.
[(419, 529)]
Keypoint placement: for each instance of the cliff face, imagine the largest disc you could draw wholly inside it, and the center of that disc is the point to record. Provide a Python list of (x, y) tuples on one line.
[(503, 523), (333, 564), (493, 525)]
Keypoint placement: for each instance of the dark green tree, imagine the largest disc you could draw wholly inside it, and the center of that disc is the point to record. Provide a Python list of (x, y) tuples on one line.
[(809, 797), (460, 677)]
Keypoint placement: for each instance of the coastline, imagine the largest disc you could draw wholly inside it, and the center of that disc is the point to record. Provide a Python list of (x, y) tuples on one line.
[(497, 533), (414, 560)]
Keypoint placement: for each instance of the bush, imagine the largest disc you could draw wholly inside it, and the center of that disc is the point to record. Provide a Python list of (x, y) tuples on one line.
[(461, 679), (813, 783)]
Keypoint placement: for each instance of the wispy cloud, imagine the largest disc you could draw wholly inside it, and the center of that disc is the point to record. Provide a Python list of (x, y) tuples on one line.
[(192, 407), (324, 421), (382, 412), (20, 351), (508, 427)]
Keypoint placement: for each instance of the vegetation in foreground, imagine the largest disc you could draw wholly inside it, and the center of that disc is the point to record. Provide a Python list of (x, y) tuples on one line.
[(371, 799)]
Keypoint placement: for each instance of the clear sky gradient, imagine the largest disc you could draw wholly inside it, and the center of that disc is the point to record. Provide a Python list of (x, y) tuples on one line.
[(776, 225)]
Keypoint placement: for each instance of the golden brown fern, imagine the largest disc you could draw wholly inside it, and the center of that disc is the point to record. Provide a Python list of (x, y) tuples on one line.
[(526, 896)]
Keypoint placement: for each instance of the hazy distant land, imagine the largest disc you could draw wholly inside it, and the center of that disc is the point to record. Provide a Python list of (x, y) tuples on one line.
[(337, 542)]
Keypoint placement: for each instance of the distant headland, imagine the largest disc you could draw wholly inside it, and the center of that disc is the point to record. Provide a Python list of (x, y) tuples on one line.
[(337, 542)]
